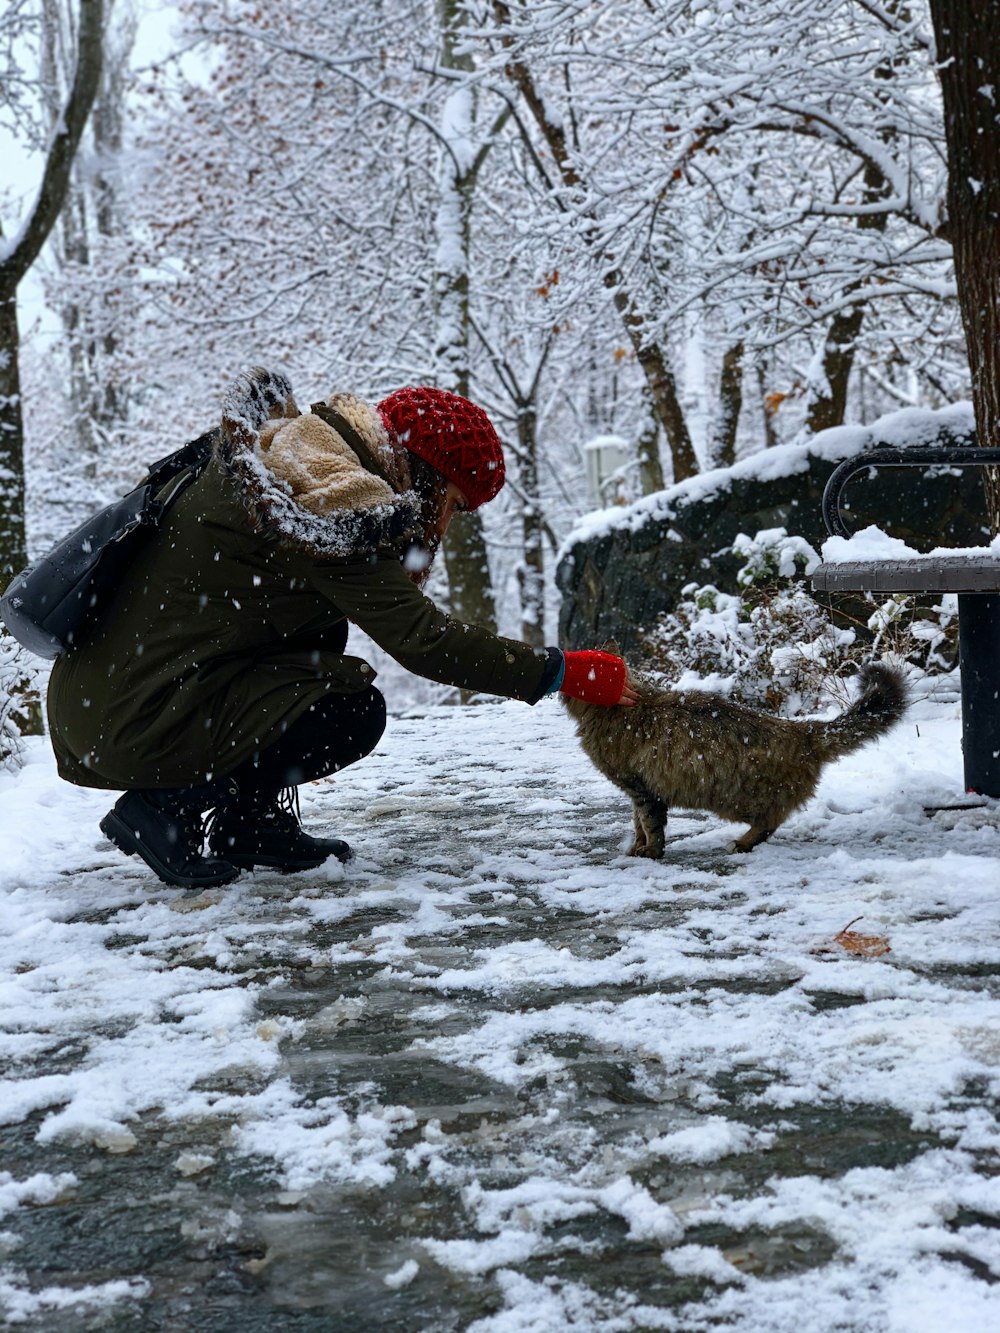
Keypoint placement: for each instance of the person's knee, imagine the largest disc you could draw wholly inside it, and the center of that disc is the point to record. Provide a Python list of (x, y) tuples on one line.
[(374, 714), (357, 718)]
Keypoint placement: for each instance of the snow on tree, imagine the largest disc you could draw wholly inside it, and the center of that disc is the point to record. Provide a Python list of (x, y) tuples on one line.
[(702, 225), (20, 32), (341, 203), (770, 174), (22, 247)]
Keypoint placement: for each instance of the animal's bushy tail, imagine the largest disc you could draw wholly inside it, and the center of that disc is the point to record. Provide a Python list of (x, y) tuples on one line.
[(881, 703)]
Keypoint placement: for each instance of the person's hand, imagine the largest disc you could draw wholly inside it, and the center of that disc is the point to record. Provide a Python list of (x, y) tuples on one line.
[(597, 678), (629, 697)]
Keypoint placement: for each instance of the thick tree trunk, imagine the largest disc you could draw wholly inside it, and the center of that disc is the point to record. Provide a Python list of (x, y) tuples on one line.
[(967, 33), (470, 589)]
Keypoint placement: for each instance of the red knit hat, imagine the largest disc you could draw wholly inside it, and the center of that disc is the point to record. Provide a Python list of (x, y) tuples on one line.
[(452, 434)]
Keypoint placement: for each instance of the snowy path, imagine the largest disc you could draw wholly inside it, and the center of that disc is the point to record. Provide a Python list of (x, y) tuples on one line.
[(496, 1076)]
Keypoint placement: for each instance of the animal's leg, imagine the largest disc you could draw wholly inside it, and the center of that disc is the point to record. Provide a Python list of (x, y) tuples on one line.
[(650, 818), (755, 834), (640, 833)]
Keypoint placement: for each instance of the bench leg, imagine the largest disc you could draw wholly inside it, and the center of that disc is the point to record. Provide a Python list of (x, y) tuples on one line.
[(979, 655)]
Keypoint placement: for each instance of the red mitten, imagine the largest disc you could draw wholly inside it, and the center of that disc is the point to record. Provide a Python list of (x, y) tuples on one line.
[(596, 678)]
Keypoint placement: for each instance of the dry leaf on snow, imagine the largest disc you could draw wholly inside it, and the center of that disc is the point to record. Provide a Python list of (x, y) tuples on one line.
[(864, 946)]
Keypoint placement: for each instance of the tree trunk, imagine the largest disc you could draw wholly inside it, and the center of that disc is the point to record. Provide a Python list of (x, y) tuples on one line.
[(766, 409), (722, 451), (531, 574), (470, 588), (91, 320), (69, 240), (650, 463), (967, 33), (828, 407), (650, 355), (15, 263), (667, 405), (13, 539), (659, 380)]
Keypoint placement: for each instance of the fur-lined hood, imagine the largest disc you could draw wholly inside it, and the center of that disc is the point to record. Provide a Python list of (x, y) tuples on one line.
[(331, 481)]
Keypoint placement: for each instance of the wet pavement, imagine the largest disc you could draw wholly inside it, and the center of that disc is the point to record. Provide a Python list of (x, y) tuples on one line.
[(497, 1076)]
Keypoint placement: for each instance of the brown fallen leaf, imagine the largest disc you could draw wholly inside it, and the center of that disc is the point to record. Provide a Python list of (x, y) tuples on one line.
[(864, 946)]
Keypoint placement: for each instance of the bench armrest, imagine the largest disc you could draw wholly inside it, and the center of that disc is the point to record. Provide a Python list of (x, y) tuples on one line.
[(962, 456)]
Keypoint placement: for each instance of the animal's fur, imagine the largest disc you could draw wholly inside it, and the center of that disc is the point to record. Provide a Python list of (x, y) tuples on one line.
[(702, 751)]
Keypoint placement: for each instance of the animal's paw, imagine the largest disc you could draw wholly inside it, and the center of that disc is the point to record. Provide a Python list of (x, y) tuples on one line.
[(738, 845)]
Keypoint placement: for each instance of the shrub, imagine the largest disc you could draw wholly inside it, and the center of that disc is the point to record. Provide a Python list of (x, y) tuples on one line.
[(20, 702), (775, 645)]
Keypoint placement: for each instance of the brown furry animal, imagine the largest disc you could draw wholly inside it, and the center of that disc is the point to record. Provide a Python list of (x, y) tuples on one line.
[(704, 752)]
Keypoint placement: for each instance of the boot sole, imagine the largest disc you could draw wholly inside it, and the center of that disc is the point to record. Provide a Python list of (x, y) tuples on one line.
[(283, 867), (117, 831), (283, 864)]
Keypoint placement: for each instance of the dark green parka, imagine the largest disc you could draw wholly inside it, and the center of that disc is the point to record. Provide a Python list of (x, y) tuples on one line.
[(215, 642)]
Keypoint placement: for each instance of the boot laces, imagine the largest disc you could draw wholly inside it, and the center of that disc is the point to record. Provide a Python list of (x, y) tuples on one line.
[(206, 822), (194, 827), (202, 825), (281, 809), (286, 803)]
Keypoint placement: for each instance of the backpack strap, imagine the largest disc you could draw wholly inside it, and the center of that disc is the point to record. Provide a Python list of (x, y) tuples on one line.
[(195, 455), (351, 437)]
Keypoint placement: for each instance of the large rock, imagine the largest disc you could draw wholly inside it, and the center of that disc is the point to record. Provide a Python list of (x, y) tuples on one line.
[(620, 568)]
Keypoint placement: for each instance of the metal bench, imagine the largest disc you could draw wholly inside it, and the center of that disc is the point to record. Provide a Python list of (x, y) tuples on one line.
[(976, 580)]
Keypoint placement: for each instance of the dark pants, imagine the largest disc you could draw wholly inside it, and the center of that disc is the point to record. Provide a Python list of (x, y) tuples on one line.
[(333, 733)]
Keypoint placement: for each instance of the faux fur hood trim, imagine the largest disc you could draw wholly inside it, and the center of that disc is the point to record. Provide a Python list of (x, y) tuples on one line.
[(306, 485)]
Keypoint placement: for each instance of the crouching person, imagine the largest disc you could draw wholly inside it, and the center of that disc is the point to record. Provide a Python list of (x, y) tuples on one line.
[(218, 680)]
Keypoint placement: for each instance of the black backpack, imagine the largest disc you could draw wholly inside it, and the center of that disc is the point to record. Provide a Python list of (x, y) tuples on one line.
[(49, 606)]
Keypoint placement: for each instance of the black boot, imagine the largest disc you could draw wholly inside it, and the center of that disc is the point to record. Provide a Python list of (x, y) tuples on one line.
[(165, 829), (265, 830)]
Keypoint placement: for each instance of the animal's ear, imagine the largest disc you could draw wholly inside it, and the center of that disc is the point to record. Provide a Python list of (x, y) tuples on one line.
[(611, 646)]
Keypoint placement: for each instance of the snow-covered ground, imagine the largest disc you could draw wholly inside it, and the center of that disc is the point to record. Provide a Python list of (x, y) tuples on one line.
[(495, 1075)]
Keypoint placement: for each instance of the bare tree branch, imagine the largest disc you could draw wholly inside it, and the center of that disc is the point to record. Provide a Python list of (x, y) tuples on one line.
[(26, 246)]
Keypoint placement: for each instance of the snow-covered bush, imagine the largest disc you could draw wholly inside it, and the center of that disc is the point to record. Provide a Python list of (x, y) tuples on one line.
[(926, 636), (771, 555), (20, 701), (774, 645)]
